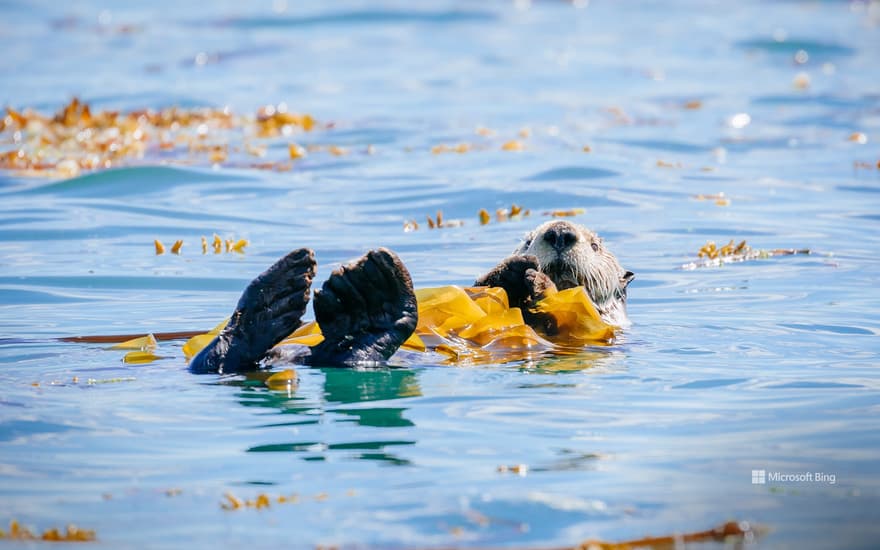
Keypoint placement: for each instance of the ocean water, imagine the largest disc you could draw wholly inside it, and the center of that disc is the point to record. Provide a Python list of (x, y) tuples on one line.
[(768, 365)]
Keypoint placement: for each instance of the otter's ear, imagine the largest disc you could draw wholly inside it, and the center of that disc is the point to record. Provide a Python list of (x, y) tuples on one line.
[(627, 279)]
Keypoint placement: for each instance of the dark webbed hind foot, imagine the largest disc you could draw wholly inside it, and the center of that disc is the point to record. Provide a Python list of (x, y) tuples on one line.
[(521, 280), (366, 310), (269, 309)]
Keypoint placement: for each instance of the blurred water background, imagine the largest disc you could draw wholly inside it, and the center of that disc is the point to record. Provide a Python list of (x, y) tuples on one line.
[(764, 365)]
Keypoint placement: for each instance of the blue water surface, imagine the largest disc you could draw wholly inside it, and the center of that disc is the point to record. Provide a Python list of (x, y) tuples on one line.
[(764, 365)]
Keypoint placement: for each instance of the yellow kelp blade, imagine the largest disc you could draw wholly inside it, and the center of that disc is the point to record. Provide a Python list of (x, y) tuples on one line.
[(486, 329), (517, 338), (220, 326), (489, 299), (432, 340), (195, 344), (517, 343), (143, 343), (306, 329), (460, 353), (414, 343), (576, 317), (284, 380), (308, 334), (140, 357), (308, 340), (445, 308)]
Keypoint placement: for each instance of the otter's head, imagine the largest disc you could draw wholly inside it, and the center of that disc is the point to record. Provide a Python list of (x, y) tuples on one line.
[(572, 255)]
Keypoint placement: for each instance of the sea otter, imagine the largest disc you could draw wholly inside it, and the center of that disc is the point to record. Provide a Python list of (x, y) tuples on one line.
[(568, 255), (367, 309)]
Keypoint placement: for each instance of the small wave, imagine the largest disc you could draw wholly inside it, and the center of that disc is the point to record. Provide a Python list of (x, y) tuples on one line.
[(135, 180), (572, 173), (829, 329), (359, 18), (791, 47)]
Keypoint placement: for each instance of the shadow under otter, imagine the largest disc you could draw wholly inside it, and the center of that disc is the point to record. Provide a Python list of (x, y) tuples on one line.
[(367, 309)]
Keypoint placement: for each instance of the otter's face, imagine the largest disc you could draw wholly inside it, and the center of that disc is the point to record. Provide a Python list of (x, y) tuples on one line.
[(572, 255)]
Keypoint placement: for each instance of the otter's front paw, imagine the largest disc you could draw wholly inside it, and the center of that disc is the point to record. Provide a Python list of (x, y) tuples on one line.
[(539, 285), (513, 275)]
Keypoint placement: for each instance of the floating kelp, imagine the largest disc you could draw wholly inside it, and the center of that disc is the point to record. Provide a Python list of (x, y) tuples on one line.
[(79, 138), (142, 343), (282, 381), (711, 251), (518, 469), (196, 343), (142, 349), (217, 244), (140, 357), (70, 534), (730, 532), (513, 145), (263, 501), (465, 147), (459, 148), (501, 214), (276, 120), (295, 151), (862, 165), (565, 213), (712, 255), (433, 223), (718, 198)]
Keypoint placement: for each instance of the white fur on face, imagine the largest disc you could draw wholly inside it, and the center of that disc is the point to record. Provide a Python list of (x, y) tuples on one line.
[(586, 263)]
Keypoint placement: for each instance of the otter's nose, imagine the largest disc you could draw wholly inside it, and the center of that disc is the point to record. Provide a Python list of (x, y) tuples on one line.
[(560, 237)]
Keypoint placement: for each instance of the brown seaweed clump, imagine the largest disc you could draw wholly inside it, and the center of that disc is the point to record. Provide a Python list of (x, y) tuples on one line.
[(71, 534), (78, 138)]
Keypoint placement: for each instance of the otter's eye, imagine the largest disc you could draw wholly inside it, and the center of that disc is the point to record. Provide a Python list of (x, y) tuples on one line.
[(595, 247)]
